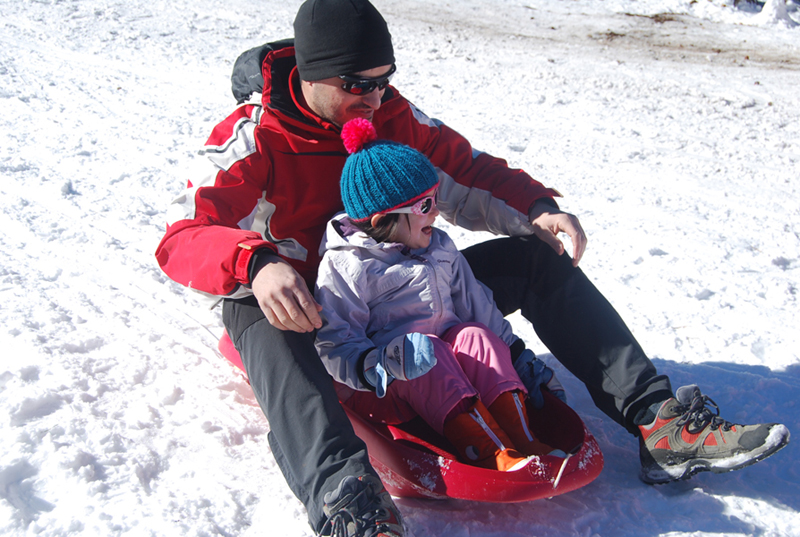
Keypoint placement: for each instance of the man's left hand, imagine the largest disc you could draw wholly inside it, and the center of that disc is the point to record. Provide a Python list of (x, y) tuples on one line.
[(548, 222)]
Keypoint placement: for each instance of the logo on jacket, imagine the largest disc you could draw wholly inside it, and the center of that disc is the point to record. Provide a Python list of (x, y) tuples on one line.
[(396, 354)]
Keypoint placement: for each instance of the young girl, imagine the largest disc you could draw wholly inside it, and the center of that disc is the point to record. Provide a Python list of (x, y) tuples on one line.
[(408, 330)]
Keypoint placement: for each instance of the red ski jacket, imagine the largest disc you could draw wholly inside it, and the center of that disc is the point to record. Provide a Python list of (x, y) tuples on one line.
[(275, 184)]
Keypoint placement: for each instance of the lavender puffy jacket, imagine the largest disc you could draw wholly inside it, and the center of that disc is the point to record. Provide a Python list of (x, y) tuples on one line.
[(372, 292)]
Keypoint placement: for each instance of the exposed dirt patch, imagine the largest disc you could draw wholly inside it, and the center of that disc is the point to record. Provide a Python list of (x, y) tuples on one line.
[(628, 36), (658, 18)]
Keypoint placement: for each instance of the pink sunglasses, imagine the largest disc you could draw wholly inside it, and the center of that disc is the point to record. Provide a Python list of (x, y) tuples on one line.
[(420, 208)]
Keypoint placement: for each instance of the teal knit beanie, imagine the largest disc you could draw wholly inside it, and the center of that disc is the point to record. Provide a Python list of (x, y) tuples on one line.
[(380, 175)]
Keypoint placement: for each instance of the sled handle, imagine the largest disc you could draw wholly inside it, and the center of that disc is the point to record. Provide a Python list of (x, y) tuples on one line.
[(561, 472)]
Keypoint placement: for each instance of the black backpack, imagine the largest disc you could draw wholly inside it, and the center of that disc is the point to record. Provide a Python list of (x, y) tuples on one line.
[(246, 78)]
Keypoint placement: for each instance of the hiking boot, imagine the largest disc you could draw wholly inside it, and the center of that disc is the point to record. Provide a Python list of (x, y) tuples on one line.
[(687, 437), (510, 413), (361, 507), (481, 442)]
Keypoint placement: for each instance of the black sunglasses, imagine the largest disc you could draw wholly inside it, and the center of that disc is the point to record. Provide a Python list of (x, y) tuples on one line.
[(358, 85)]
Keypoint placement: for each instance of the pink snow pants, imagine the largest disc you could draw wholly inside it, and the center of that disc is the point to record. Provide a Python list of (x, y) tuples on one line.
[(470, 361)]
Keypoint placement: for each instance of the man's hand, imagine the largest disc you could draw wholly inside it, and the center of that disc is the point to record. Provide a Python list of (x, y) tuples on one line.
[(284, 297), (548, 222)]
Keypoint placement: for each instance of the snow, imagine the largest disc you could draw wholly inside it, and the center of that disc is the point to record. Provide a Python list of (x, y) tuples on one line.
[(671, 127)]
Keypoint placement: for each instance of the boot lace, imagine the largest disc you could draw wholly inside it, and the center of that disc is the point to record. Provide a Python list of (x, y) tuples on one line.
[(700, 412)]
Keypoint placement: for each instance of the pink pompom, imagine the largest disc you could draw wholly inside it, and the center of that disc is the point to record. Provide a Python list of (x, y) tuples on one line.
[(357, 133)]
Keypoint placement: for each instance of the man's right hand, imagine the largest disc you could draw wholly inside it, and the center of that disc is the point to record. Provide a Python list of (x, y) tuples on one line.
[(284, 297)]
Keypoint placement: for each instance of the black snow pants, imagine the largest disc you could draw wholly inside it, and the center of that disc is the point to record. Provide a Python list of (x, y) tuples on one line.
[(310, 435), (574, 321)]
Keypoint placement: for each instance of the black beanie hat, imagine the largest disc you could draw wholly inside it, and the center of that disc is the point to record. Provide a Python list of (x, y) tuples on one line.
[(338, 37)]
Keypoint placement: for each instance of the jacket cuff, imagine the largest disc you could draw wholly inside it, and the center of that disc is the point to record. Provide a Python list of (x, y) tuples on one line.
[(361, 364), (547, 201), (257, 260), (516, 349)]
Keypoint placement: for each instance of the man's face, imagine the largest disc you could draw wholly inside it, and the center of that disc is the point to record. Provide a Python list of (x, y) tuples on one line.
[(328, 100)]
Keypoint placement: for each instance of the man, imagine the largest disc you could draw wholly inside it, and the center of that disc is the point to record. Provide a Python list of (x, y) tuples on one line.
[(250, 233)]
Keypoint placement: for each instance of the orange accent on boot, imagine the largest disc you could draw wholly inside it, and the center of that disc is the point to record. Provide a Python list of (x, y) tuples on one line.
[(512, 416), (663, 444), (480, 441), (711, 440), (689, 438), (509, 460), (647, 430)]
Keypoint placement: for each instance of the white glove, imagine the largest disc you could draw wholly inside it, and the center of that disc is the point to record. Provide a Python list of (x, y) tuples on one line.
[(404, 358)]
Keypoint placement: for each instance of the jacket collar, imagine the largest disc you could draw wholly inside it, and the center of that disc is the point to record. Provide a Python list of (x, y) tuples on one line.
[(281, 92)]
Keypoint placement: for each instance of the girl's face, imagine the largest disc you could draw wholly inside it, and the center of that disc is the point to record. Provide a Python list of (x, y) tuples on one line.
[(417, 233), (414, 226)]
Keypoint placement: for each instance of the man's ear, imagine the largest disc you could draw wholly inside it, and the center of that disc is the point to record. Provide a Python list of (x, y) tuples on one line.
[(375, 220)]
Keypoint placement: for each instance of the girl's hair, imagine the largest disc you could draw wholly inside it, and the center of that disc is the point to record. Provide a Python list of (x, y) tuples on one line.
[(384, 231)]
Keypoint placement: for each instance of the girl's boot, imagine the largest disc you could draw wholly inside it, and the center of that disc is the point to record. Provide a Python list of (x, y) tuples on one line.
[(481, 442), (510, 413)]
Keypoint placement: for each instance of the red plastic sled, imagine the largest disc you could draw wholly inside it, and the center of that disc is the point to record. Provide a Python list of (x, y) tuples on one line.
[(414, 461)]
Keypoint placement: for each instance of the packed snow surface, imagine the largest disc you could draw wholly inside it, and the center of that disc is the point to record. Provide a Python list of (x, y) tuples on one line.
[(671, 127)]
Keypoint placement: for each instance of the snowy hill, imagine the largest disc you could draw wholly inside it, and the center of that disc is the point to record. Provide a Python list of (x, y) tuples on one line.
[(672, 129)]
